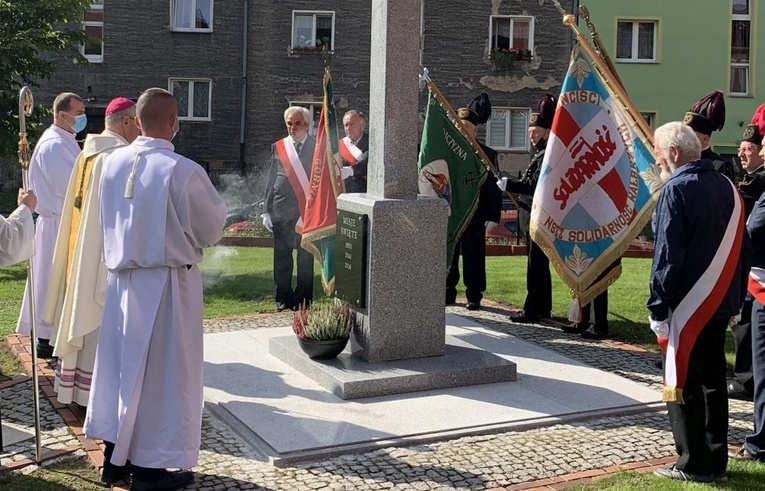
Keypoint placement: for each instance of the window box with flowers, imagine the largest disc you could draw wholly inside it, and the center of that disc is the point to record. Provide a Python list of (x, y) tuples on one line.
[(503, 60)]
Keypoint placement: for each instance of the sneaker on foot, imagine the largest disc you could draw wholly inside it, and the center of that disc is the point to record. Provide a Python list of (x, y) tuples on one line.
[(671, 472)]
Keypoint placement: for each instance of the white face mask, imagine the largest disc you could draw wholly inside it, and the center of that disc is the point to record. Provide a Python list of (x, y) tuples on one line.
[(175, 132)]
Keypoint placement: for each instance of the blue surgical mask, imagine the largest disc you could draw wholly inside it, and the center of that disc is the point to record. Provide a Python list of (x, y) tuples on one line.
[(80, 122)]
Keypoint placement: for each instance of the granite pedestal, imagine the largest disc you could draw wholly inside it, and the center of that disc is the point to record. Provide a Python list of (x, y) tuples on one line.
[(406, 274), (350, 377)]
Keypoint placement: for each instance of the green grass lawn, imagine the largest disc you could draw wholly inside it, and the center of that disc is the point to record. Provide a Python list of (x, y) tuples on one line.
[(77, 474), (742, 476)]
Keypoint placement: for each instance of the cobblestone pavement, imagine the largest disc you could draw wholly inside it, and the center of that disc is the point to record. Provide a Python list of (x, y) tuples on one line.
[(557, 453)]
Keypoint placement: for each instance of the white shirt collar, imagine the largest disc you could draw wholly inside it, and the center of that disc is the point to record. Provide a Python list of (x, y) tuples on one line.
[(159, 143)]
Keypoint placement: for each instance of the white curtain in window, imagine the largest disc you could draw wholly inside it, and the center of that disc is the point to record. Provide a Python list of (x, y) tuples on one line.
[(518, 129), (497, 129), (520, 34), (739, 79), (180, 90), (501, 34), (201, 99), (645, 40), (624, 40), (303, 37), (183, 14)]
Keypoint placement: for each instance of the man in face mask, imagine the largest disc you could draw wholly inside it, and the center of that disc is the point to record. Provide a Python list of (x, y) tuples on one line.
[(49, 170)]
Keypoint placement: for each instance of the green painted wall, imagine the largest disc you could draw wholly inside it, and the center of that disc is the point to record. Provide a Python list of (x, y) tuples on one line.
[(693, 59)]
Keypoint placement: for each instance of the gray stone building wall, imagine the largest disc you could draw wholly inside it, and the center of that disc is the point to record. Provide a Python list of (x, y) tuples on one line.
[(457, 54), (141, 51), (278, 76)]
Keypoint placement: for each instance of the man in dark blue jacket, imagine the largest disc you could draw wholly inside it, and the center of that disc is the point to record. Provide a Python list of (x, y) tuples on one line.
[(695, 290)]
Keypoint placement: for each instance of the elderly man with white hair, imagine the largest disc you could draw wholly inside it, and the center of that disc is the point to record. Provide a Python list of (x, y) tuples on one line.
[(286, 191), (695, 290)]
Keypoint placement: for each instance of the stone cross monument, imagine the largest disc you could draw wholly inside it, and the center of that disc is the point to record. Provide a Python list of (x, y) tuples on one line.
[(403, 315)]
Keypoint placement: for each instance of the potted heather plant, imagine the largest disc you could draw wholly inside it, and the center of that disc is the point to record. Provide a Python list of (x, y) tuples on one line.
[(323, 329)]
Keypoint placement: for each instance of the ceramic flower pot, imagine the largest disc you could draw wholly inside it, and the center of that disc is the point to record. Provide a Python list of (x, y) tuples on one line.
[(322, 349)]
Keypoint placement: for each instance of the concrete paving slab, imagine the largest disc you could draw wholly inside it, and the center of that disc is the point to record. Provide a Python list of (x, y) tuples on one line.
[(14, 433), (290, 417)]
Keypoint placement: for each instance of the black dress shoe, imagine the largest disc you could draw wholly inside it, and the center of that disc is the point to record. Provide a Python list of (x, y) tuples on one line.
[(593, 334), (473, 306), (738, 391), (44, 351), (115, 473), (169, 482), (281, 306), (523, 317)]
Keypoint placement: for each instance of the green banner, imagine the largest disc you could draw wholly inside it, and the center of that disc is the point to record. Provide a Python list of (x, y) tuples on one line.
[(449, 169)]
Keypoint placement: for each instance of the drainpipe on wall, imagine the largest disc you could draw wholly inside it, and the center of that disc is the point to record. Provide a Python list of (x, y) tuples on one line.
[(243, 109)]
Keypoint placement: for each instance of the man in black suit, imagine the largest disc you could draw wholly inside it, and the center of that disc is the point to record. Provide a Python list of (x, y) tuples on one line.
[(538, 302), (472, 244), (354, 151), (751, 186), (286, 191)]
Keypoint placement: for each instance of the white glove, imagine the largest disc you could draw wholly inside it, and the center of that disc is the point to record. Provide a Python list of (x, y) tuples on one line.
[(346, 171), (490, 225), (502, 183), (660, 328), (735, 319), (267, 221)]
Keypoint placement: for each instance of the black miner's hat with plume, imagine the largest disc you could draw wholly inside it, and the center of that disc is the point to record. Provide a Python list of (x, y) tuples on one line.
[(708, 114), (545, 112), (478, 111)]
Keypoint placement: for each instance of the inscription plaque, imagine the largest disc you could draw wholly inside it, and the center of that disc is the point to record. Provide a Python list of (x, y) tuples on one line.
[(351, 258)]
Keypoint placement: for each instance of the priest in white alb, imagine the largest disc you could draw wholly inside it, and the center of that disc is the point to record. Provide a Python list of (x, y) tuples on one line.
[(17, 232), (49, 170), (77, 280), (158, 211)]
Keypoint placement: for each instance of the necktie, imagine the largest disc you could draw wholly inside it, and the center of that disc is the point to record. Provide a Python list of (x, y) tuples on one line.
[(298, 146)]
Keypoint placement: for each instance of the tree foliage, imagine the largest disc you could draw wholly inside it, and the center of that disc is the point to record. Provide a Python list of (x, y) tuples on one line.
[(33, 35)]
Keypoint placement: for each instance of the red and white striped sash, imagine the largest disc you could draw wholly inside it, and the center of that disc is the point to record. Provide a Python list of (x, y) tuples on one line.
[(350, 152), (295, 171), (757, 284), (700, 304)]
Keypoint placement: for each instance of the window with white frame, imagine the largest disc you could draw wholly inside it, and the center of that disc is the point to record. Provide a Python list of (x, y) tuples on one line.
[(636, 40), (93, 25), (191, 15), (740, 43), (512, 33), (650, 118), (507, 129), (313, 29), (194, 98), (315, 109)]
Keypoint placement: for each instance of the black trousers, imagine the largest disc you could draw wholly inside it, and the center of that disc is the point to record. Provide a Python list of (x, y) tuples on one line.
[(285, 241), (700, 426), (538, 282), (742, 337), (755, 441), (472, 245), (596, 312)]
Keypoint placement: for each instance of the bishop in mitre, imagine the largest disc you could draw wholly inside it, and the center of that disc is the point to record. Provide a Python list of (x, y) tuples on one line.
[(77, 285)]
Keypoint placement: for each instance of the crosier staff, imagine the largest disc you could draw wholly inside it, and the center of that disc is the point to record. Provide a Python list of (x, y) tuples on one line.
[(26, 104)]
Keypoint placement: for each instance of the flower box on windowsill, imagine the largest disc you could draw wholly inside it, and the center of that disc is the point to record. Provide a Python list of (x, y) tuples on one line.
[(309, 51), (503, 60)]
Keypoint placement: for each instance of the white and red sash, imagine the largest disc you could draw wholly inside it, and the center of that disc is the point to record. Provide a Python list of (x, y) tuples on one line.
[(700, 304), (757, 284), (295, 171), (350, 152)]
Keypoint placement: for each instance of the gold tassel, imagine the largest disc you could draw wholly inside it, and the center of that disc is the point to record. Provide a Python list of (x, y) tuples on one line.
[(672, 394)]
